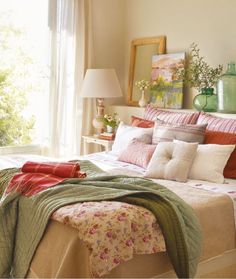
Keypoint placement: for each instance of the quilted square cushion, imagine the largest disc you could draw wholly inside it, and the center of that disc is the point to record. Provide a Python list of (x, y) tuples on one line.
[(151, 113), (219, 124), (140, 122), (125, 134), (213, 137), (210, 161), (183, 132), (172, 160), (137, 153)]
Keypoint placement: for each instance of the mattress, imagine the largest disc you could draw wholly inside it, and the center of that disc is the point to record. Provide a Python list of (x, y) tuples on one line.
[(62, 252)]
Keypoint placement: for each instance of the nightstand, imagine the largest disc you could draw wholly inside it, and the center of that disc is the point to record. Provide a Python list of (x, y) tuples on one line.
[(107, 144)]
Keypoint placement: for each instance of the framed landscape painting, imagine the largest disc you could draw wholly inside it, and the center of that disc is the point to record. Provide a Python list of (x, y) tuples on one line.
[(166, 91)]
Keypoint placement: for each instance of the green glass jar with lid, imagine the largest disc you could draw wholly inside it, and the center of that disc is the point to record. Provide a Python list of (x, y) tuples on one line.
[(226, 90)]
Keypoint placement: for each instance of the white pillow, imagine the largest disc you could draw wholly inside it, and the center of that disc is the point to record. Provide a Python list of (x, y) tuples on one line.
[(125, 134), (172, 160), (210, 161)]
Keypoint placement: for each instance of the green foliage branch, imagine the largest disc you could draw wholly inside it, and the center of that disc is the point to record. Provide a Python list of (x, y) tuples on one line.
[(196, 72)]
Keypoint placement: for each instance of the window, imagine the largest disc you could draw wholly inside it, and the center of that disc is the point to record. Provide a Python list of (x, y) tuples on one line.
[(24, 70)]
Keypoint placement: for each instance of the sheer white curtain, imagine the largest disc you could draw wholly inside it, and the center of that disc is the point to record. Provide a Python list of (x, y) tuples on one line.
[(71, 53)]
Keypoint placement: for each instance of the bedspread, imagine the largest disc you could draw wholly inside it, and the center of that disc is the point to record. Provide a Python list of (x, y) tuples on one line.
[(113, 232), (24, 219)]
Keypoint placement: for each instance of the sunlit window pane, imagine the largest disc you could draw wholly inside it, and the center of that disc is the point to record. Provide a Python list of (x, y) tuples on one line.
[(23, 70)]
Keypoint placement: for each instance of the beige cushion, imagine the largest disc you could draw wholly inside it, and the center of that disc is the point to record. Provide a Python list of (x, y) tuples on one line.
[(210, 161), (172, 160), (184, 132)]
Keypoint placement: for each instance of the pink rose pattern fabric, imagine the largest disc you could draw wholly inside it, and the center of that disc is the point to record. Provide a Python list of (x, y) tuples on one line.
[(113, 231)]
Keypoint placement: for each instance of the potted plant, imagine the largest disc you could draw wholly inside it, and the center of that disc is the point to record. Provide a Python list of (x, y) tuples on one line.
[(198, 74), (111, 122)]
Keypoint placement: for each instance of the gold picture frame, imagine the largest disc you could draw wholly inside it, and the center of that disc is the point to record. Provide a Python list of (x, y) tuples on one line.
[(140, 51)]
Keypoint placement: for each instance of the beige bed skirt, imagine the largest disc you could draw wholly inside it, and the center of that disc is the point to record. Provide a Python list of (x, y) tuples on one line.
[(62, 254)]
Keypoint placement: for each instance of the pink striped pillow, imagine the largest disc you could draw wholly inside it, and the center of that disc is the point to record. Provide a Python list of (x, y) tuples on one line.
[(151, 113), (219, 124), (137, 153), (183, 132)]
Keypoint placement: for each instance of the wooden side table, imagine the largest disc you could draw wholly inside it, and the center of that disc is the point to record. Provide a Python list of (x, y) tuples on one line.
[(106, 144)]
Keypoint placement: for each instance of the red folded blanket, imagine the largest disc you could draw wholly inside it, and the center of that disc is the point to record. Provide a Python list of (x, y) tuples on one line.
[(67, 169), (35, 177)]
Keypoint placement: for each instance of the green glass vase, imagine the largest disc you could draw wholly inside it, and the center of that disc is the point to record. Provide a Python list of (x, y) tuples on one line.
[(206, 101), (226, 90)]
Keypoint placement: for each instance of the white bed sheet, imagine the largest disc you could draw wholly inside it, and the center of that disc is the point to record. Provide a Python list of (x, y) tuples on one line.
[(108, 162)]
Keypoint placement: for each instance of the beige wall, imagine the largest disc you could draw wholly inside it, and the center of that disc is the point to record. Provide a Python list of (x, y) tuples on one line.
[(108, 18), (209, 23)]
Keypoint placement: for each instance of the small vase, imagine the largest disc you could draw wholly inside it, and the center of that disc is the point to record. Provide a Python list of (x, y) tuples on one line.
[(109, 129), (206, 101), (226, 90), (142, 102)]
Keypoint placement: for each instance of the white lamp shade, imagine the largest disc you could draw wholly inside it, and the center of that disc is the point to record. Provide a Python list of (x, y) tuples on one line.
[(101, 83)]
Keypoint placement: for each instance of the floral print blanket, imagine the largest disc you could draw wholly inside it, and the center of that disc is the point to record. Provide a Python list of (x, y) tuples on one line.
[(113, 231)]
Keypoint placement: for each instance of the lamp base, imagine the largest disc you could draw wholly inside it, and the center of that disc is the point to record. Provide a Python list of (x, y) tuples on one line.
[(98, 124), (97, 121)]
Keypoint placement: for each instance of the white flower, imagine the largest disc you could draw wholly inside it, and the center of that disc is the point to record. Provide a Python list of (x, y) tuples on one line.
[(143, 84)]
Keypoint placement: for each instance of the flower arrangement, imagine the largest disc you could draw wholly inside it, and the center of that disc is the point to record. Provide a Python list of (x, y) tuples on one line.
[(197, 73), (111, 120), (143, 84)]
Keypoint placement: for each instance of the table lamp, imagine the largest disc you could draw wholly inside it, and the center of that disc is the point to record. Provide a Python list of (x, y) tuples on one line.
[(100, 84)]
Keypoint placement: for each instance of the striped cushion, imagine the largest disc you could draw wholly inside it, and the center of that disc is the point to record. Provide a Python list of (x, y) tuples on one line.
[(151, 113), (184, 132), (137, 153), (219, 124)]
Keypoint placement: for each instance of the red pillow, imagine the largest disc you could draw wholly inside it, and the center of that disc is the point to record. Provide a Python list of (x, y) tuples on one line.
[(140, 122), (214, 137)]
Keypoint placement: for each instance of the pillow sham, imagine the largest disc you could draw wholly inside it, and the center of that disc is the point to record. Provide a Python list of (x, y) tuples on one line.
[(184, 132), (219, 124), (151, 113), (137, 153), (140, 122), (210, 161), (172, 160), (125, 134), (224, 138)]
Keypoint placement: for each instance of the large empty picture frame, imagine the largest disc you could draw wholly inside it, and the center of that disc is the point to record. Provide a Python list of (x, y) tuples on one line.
[(141, 54)]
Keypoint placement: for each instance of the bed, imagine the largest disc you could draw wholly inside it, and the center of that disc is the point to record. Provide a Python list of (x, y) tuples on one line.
[(64, 250), (210, 204)]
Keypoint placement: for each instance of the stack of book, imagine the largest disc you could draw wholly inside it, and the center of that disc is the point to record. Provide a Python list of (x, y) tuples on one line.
[(107, 136)]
